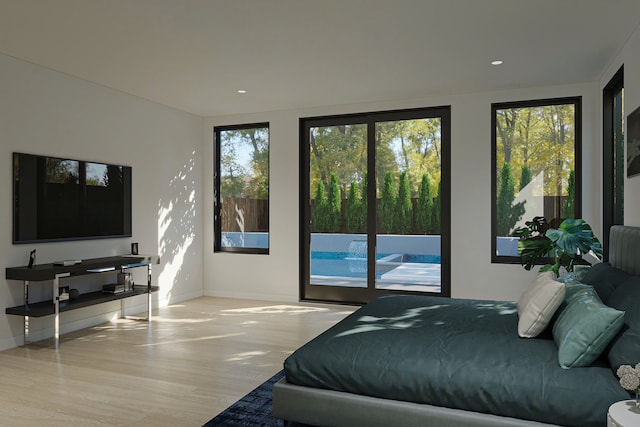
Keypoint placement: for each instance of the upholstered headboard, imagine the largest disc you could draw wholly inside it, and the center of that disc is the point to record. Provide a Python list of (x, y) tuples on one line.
[(624, 248)]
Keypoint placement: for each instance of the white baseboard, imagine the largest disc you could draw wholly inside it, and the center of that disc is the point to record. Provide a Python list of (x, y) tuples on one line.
[(252, 296), (173, 299), (12, 342)]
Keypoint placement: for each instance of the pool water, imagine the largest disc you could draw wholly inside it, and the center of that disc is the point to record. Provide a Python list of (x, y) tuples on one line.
[(344, 264)]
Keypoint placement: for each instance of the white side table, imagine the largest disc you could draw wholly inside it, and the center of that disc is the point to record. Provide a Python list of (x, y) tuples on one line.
[(623, 414)]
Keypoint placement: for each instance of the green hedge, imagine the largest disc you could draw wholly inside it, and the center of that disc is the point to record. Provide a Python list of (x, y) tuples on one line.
[(397, 211)]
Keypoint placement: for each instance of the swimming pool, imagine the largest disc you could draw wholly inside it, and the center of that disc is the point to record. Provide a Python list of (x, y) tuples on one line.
[(346, 264)]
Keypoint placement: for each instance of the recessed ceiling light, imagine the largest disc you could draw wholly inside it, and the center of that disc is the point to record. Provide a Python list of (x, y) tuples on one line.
[(496, 62), (242, 91)]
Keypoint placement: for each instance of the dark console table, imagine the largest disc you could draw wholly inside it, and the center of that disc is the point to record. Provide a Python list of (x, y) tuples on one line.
[(54, 272)]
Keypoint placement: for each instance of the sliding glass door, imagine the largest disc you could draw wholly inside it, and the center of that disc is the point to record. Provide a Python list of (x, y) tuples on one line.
[(408, 176), (375, 204)]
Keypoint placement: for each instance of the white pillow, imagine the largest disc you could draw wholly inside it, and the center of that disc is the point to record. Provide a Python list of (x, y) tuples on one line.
[(538, 303)]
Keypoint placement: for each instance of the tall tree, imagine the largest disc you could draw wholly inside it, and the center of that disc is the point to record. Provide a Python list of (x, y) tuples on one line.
[(568, 206), (331, 145), (386, 160), (404, 207), (415, 146), (507, 213), (388, 204), (232, 173), (244, 163), (365, 196), (506, 121), (319, 212), (334, 205), (436, 212), (424, 206), (525, 176), (559, 132), (354, 214)]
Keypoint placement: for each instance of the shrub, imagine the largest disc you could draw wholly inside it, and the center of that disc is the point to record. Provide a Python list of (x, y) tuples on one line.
[(388, 204), (334, 206), (319, 212), (507, 214), (525, 176), (435, 213), (353, 211), (365, 196), (404, 207), (424, 206), (569, 202)]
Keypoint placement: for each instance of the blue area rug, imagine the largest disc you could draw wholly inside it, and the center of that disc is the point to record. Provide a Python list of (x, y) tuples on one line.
[(253, 410)]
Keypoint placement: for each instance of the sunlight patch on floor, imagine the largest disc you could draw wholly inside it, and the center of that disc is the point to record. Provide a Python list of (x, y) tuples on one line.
[(249, 323), (246, 356), (275, 309), (182, 320), (187, 340)]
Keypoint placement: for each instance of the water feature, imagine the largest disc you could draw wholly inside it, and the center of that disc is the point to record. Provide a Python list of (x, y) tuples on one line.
[(240, 222), (357, 256)]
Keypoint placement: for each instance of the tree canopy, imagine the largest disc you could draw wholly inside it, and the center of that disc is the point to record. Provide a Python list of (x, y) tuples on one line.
[(411, 146), (244, 163), (541, 139)]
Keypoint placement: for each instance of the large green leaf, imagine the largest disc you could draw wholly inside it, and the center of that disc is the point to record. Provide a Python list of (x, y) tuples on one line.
[(564, 245), (575, 238), (534, 249)]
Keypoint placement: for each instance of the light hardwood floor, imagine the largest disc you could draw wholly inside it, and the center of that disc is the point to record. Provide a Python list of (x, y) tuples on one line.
[(192, 361)]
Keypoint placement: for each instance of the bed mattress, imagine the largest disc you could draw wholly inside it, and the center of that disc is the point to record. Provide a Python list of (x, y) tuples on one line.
[(454, 353)]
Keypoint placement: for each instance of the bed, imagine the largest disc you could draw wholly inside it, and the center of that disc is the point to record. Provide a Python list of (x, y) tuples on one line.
[(429, 361)]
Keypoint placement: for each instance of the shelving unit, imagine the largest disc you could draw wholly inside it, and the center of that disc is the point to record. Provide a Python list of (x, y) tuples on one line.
[(52, 272)]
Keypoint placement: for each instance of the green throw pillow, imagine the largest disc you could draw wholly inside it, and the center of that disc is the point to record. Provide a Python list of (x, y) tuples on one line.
[(585, 327)]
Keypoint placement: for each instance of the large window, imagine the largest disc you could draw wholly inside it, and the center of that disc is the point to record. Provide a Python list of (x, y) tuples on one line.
[(375, 194), (241, 211), (535, 167), (612, 157)]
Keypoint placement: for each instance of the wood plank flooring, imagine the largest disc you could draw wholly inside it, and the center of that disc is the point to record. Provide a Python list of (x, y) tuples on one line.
[(192, 361)]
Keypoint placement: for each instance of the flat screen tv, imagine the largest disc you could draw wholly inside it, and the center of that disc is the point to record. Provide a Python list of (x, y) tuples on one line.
[(57, 199)]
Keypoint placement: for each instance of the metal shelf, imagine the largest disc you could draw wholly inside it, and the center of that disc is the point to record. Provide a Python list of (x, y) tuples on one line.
[(47, 308)]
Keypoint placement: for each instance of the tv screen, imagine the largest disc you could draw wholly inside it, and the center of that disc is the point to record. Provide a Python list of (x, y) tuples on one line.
[(59, 199)]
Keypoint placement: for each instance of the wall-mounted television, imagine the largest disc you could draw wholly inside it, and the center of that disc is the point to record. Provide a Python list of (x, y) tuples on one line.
[(57, 199)]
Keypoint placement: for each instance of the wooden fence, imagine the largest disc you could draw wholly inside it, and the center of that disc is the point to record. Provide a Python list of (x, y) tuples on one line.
[(254, 212)]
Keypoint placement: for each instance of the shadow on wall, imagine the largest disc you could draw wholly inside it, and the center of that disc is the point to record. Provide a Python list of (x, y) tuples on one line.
[(177, 219)]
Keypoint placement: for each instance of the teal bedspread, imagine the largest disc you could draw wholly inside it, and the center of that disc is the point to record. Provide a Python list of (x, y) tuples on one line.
[(463, 354)]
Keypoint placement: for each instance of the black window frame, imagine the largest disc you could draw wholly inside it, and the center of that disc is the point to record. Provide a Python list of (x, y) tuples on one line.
[(217, 204), (577, 102), (347, 295), (613, 168)]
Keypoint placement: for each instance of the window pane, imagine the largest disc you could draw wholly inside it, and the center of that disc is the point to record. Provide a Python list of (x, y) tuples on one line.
[(535, 167), (408, 170), (243, 188), (338, 255)]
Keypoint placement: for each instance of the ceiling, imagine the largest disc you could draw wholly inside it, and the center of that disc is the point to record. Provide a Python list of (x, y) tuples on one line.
[(193, 55)]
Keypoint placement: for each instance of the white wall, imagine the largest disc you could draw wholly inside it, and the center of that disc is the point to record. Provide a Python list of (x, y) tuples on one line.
[(46, 112), (275, 276), (630, 58)]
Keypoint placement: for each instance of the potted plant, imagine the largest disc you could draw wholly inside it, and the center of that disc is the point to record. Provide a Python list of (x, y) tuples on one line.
[(564, 244)]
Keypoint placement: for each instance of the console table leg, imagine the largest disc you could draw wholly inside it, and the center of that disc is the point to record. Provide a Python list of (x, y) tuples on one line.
[(25, 289), (56, 305), (26, 330), (149, 292), (56, 312)]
